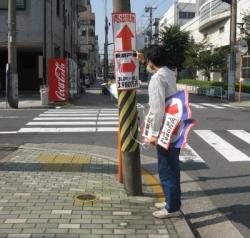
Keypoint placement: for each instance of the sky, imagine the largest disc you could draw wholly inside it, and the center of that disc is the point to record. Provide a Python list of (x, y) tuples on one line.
[(137, 6)]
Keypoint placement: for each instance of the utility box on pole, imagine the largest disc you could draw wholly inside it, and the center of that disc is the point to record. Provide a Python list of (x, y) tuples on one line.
[(127, 68)]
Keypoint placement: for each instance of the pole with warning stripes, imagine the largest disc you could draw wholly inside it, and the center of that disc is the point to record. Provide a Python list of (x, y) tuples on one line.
[(128, 120)]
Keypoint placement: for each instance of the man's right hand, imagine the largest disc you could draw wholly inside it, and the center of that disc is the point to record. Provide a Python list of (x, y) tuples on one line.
[(140, 57)]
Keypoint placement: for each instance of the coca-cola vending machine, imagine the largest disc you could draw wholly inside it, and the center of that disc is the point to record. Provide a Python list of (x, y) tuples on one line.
[(58, 80)]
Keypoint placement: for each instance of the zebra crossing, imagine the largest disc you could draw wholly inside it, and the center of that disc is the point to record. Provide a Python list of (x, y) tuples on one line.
[(73, 120), (220, 106), (106, 120), (220, 145)]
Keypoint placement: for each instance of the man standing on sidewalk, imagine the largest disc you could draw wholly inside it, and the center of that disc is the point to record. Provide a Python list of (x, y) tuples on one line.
[(161, 86)]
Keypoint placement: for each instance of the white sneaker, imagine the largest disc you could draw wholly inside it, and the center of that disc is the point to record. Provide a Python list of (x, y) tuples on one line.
[(163, 213), (160, 205)]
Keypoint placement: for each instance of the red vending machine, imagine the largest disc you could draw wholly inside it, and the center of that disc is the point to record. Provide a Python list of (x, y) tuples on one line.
[(58, 80)]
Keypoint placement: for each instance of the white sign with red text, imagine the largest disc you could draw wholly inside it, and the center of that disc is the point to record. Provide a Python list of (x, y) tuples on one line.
[(124, 31), (58, 80), (127, 71)]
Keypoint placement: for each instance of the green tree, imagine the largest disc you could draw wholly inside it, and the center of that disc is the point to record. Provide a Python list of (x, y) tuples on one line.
[(176, 43), (246, 20), (192, 54), (211, 61)]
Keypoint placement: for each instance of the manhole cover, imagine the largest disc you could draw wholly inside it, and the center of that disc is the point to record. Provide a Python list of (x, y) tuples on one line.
[(85, 198)]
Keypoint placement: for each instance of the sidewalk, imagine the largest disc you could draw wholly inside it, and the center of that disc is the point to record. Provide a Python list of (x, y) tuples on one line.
[(39, 184)]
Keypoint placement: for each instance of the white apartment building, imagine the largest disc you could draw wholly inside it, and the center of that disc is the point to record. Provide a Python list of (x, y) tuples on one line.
[(212, 25), (179, 13)]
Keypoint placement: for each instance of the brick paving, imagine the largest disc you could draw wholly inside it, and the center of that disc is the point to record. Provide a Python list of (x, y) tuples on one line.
[(37, 200)]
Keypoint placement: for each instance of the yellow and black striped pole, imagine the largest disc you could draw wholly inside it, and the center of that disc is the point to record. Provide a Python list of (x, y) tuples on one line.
[(129, 128)]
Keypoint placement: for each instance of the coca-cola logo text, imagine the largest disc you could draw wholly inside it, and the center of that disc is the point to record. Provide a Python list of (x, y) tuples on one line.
[(60, 74)]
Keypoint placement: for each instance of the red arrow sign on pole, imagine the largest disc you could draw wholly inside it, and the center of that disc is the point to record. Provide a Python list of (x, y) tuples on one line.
[(126, 36), (128, 67)]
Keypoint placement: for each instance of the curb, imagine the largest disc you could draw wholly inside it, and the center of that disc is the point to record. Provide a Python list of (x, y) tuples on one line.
[(181, 225)]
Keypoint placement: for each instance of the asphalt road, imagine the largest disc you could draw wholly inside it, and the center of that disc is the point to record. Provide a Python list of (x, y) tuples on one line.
[(222, 173)]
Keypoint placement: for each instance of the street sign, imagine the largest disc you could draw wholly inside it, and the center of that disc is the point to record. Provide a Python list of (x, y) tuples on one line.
[(242, 47), (124, 31), (127, 71)]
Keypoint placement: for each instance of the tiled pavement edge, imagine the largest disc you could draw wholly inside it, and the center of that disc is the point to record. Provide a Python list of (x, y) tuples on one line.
[(37, 199)]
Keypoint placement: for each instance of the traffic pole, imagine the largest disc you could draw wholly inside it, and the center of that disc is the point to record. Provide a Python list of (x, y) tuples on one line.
[(129, 127), (232, 68), (12, 78), (241, 79)]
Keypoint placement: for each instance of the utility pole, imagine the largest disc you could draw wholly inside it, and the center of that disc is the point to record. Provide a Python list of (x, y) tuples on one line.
[(12, 77), (44, 42), (232, 61), (128, 127), (105, 69), (150, 10), (64, 29)]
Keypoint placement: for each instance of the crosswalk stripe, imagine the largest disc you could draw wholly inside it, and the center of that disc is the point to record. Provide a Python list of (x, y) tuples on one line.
[(190, 155), (62, 123), (107, 129), (64, 118), (227, 105), (227, 150), (243, 135), (105, 114), (212, 105), (69, 112), (67, 115), (196, 106), (57, 130), (107, 118), (102, 123)]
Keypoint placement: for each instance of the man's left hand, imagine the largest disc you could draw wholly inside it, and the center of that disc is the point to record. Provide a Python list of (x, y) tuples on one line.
[(152, 140)]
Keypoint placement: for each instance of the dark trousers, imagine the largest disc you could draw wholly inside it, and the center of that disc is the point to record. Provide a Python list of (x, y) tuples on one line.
[(169, 173)]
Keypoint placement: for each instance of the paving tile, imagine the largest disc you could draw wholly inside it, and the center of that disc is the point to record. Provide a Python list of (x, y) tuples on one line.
[(14, 221)]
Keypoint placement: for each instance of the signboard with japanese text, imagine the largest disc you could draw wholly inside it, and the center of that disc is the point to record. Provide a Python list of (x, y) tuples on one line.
[(127, 71), (124, 31)]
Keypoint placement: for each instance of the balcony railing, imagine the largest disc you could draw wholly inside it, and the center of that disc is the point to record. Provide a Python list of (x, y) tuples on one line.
[(213, 11)]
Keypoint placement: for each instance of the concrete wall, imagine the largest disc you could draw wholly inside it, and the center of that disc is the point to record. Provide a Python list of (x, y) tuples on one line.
[(29, 25)]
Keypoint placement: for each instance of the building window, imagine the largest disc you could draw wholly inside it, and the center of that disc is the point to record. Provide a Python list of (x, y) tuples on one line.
[(84, 33), (186, 15), (20, 4), (58, 7), (92, 22), (222, 29), (91, 33)]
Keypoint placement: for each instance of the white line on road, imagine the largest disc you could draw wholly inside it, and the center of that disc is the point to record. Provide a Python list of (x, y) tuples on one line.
[(57, 130), (64, 118), (243, 135), (105, 114), (107, 129), (227, 150), (103, 123), (212, 105), (62, 123), (190, 155), (196, 106), (107, 118), (67, 115), (7, 132), (228, 105), (70, 112)]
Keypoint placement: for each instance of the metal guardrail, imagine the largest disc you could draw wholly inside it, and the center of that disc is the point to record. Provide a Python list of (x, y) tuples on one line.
[(211, 91)]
